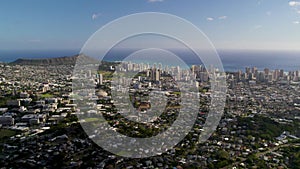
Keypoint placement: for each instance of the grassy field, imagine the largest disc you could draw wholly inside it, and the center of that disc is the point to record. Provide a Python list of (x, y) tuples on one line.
[(98, 120), (47, 95), (6, 133)]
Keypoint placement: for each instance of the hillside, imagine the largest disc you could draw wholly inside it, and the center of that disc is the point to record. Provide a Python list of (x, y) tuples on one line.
[(66, 60)]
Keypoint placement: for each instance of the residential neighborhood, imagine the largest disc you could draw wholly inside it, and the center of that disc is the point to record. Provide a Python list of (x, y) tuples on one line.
[(41, 122)]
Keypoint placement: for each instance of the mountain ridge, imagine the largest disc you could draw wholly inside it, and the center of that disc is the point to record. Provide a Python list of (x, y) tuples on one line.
[(64, 60)]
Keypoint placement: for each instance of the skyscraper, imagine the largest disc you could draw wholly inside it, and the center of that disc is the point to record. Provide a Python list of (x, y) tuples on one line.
[(155, 74), (100, 79)]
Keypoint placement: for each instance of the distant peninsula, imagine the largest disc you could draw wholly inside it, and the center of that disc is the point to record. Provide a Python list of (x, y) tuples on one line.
[(65, 60)]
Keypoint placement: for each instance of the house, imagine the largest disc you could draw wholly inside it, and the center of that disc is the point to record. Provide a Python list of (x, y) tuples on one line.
[(24, 95), (26, 118), (7, 120), (3, 110), (14, 103)]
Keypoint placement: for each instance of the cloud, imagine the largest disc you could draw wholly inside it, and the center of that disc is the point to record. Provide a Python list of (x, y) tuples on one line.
[(296, 22), (220, 18), (210, 19), (269, 13), (96, 16), (155, 0), (223, 17), (259, 2), (294, 3), (258, 26)]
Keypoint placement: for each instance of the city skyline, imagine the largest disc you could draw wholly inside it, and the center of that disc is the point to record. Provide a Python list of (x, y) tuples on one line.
[(150, 84)]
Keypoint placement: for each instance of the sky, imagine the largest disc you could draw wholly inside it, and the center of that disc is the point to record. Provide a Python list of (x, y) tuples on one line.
[(229, 24)]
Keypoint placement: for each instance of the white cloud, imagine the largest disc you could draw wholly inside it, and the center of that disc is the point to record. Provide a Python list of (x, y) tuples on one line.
[(258, 26), (296, 22), (269, 13), (155, 0), (259, 2), (294, 3), (96, 15), (223, 17), (210, 19)]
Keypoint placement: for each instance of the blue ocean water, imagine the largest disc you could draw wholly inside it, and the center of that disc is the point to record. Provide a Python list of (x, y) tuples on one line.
[(232, 60), (238, 60)]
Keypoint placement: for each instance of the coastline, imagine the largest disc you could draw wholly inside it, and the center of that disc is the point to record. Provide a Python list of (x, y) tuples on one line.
[(233, 60)]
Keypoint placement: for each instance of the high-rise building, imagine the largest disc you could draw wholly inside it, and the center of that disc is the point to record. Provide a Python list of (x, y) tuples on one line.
[(147, 73), (155, 74), (281, 73), (251, 76), (270, 77), (267, 71), (254, 70), (100, 79), (247, 70), (276, 74), (261, 77)]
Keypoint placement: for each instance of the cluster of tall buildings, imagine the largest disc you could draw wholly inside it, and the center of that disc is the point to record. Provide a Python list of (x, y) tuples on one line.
[(200, 73), (154, 71), (267, 75)]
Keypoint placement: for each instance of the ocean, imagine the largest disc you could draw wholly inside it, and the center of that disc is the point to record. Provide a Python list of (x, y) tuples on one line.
[(238, 60), (233, 60)]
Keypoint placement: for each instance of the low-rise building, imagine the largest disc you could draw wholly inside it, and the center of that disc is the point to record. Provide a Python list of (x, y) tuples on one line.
[(7, 120)]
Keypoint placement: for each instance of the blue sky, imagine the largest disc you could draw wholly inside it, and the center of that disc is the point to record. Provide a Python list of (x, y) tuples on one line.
[(230, 24)]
